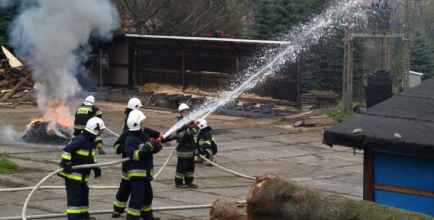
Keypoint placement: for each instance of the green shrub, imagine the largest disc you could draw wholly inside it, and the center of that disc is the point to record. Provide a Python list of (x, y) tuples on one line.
[(7, 166), (339, 117)]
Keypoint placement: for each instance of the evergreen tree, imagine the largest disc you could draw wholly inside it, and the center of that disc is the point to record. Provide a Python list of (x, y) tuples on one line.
[(322, 63), (6, 17), (421, 55)]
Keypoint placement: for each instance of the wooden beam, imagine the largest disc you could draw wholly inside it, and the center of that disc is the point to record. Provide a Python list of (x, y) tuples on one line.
[(371, 176), (376, 35), (404, 190), (192, 73), (10, 93)]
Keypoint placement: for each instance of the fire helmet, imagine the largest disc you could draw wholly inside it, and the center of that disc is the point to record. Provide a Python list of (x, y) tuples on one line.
[(202, 124), (94, 125), (89, 101), (182, 107), (134, 119), (134, 103)]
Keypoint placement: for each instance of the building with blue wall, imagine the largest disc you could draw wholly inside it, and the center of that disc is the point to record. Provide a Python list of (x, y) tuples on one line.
[(398, 143)]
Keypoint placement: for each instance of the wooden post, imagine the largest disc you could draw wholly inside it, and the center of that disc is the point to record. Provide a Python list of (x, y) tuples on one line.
[(183, 71), (299, 84), (407, 47), (347, 86)]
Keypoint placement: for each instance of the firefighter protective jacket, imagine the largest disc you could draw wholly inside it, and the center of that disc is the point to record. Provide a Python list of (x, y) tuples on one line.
[(119, 147), (186, 147), (127, 113), (141, 165), (79, 151), (206, 141), (83, 114)]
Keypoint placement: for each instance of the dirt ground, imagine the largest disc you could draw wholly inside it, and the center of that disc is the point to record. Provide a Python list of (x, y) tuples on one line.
[(249, 146)]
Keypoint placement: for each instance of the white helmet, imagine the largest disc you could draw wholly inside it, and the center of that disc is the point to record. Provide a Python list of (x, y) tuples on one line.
[(94, 125), (134, 119), (134, 103), (202, 124), (89, 100), (182, 107)]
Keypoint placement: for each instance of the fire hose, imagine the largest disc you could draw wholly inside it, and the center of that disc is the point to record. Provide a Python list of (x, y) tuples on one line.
[(105, 187), (58, 171)]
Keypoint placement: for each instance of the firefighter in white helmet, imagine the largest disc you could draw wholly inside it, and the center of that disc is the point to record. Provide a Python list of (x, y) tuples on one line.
[(85, 112), (80, 151), (140, 147), (206, 143), (186, 150), (133, 104)]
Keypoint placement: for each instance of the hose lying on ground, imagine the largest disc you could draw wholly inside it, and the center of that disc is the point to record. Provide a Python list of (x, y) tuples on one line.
[(58, 171), (111, 211), (230, 171)]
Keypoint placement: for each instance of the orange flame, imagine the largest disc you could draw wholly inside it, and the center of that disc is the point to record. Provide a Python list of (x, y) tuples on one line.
[(57, 113)]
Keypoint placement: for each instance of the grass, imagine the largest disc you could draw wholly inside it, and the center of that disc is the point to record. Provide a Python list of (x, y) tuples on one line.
[(7, 166), (339, 117)]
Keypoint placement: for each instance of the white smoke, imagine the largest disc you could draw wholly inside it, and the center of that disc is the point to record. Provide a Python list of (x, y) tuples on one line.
[(9, 133), (51, 35)]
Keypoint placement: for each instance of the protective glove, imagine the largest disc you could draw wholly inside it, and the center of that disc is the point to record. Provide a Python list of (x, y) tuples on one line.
[(120, 149), (100, 150), (97, 172), (144, 148), (158, 148), (190, 124), (152, 144), (67, 167)]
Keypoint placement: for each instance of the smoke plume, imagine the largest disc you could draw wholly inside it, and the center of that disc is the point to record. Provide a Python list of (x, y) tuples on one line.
[(52, 35)]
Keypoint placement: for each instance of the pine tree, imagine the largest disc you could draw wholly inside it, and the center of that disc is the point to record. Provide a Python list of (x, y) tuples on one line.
[(421, 55), (6, 17)]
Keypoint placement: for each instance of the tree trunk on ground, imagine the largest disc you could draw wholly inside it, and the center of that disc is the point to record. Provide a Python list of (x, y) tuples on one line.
[(274, 197), (223, 210)]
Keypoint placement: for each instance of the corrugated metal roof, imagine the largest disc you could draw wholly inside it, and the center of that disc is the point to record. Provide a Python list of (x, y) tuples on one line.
[(232, 45)]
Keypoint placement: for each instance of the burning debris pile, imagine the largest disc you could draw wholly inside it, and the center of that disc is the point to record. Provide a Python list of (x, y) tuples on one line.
[(42, 132), (16, 85)]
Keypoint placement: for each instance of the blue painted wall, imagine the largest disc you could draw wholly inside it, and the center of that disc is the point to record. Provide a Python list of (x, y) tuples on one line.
[(407, 172)]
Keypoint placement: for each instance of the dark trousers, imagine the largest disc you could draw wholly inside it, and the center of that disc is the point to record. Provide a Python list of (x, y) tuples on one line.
[(140, 204), (122, 195), (77, 194), (185, 171), (77, 131)]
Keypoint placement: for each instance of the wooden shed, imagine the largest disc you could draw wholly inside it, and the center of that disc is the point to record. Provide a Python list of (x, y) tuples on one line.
[(205, 63), (396, 137)]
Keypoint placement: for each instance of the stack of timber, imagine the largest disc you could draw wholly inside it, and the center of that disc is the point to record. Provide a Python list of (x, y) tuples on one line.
[(16, 85)]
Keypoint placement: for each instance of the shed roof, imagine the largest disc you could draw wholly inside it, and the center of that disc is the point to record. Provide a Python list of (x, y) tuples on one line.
[(199, 43), (410, 114)]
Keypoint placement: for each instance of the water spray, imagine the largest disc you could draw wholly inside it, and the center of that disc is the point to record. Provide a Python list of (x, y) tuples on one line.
[(301, 37)]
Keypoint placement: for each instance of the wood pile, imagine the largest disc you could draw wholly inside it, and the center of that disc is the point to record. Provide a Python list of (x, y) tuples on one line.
[(16, 85)]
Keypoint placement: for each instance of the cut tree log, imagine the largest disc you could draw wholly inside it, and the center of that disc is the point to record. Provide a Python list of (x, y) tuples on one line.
[(223, 210), (274, 197), (10, 93)]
